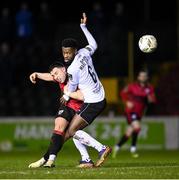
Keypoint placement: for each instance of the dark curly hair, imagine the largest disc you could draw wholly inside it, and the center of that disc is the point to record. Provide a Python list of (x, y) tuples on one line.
[(70, 42)]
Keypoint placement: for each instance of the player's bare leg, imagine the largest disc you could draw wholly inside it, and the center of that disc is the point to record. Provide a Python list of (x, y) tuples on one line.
[(74, 130), (55, 145), (76, 124)]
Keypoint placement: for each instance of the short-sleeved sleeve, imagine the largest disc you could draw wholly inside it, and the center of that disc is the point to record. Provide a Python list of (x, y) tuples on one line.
[(73, 78)]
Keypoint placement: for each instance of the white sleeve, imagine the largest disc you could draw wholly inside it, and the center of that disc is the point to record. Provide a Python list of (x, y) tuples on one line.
[(91, 41), (73, 80)]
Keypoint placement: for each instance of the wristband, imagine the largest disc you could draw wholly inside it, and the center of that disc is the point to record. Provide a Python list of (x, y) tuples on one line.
[(82, 24), (66, 97)]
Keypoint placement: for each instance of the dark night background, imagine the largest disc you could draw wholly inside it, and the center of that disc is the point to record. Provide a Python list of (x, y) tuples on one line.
[(49, 22)]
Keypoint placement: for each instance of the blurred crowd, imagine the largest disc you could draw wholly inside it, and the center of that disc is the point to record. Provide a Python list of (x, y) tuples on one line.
[(30, 41), (24, 43)]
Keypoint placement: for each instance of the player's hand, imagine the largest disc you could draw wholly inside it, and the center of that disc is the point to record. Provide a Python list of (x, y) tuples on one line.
[(33, 77), (129, 104), (151, 99), (84, 19), (62, 100)]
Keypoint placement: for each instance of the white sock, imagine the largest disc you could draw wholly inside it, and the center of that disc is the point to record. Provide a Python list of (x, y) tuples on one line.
[(133, 149), (82, 149), (86, 139), (52, 157), (116, 148)]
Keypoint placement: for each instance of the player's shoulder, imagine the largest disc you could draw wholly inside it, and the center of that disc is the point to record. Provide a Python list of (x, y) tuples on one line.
[(133, 84), (86, 50), (72, 67), (75, 64)]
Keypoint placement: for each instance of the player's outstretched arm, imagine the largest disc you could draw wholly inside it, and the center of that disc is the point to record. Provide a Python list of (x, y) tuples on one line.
[(91, 41), (43, 76)]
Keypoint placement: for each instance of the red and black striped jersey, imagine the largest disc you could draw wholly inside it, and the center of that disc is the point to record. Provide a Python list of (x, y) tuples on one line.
[(72, 103)]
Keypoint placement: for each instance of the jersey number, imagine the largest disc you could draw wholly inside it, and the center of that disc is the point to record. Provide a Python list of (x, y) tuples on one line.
[(92, 74)]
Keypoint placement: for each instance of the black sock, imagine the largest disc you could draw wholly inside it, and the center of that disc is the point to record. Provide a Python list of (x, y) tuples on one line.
[(55, 146), (134, 138), (123, 140), (56, 143), (46, 155)]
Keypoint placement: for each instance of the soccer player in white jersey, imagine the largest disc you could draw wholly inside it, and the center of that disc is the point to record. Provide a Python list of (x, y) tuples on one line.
[(83, 76)]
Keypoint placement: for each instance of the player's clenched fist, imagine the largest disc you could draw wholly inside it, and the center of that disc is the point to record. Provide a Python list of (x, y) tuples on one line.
[(33, 77), (84, 19)]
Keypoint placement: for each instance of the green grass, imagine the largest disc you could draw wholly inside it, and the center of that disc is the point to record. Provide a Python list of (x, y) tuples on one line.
[(150, 164)]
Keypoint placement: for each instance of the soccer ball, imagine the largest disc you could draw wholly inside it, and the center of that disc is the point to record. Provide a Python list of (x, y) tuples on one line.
[(147, 43)]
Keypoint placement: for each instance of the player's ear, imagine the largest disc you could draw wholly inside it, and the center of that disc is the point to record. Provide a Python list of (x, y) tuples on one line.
[(75, 50)]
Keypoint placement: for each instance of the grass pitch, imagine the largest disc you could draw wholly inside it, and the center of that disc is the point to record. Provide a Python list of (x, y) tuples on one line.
[(150, 164)]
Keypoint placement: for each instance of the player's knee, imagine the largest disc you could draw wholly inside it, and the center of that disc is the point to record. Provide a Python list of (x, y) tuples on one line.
[(59, 128), (128, 132), (137, 129), (60, 125)]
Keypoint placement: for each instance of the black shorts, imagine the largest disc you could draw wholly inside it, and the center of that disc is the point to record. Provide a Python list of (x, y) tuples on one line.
[(132, 116), (89, 111), (66, 113)]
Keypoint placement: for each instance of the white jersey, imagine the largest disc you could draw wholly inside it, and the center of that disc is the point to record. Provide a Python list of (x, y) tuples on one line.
[(82, 74)]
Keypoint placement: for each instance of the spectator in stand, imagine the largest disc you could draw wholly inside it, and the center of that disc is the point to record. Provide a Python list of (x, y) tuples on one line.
[(6, 66), (24, 22), (117, 41), (6, 25), (45, 24), (96, 17)]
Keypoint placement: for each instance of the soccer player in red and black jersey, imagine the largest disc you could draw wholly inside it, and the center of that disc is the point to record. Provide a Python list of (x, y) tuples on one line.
[(57, 73), (135, 97)]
